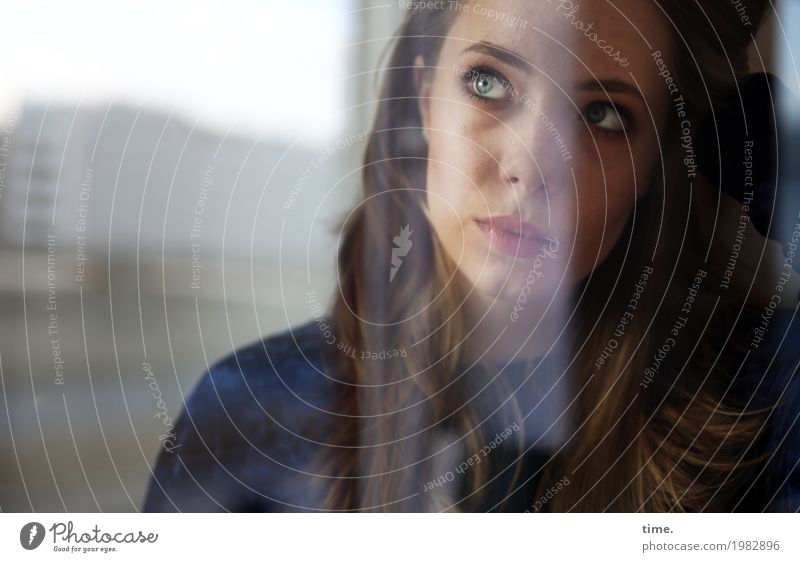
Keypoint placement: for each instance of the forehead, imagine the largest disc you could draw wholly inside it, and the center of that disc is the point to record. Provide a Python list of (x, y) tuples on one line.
[(585, 38)]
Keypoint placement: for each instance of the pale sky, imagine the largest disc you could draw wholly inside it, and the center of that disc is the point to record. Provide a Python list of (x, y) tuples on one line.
[(271, 66), (265, 66)]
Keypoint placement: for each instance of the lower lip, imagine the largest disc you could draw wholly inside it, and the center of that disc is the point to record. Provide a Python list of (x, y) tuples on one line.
[(510, 243)]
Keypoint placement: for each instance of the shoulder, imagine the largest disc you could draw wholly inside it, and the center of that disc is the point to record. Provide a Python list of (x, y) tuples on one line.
[(248, 430), (271, 370)]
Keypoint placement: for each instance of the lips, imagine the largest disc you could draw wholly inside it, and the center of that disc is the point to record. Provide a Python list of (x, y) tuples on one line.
[(512, 236)]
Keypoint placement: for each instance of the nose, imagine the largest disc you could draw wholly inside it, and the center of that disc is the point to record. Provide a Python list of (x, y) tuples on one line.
[(533, 154), (523, 170), (516, 180)]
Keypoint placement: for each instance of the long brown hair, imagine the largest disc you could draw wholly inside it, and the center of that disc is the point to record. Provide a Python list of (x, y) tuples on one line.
[(669, 442)]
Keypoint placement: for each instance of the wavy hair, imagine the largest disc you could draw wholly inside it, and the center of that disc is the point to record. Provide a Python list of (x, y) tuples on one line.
[(680, 443)]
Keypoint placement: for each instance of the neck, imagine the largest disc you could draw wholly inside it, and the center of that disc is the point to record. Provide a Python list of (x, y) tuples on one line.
[(503, 334)]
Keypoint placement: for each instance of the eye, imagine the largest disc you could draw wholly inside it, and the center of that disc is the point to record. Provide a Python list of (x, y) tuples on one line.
[(485, 84), (606, 116)]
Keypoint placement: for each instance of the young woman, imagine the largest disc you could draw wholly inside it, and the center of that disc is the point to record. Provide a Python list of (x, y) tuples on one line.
[(545, 301)]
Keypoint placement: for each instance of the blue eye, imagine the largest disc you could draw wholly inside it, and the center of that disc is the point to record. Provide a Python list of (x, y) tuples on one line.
[(606, 116), (485, 84), (488, 86)]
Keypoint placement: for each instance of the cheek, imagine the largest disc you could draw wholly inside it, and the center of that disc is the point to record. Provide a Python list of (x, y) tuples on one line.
[(443, 204), (457, 183), (605, 200), (459, 164), (462, 137), (446, 193)]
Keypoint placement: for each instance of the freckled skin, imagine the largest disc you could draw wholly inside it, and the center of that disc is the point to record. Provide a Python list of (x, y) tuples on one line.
[(496, 158)]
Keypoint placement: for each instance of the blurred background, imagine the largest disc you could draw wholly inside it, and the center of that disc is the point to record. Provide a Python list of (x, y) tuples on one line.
[(171, 174), (170, 177)]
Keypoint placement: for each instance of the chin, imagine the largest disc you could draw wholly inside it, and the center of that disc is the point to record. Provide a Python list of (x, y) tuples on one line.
[(497, 282)]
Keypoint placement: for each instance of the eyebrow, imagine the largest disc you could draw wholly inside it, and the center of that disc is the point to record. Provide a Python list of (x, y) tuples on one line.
[(610, 85), (504, 55)]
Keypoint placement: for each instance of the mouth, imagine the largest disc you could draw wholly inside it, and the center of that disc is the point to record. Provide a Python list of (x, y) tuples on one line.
[(511, 236)]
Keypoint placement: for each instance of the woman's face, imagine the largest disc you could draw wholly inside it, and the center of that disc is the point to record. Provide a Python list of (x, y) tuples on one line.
[(541, 117)]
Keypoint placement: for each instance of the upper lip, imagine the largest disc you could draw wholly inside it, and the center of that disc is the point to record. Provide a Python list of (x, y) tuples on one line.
[(516, 225)]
